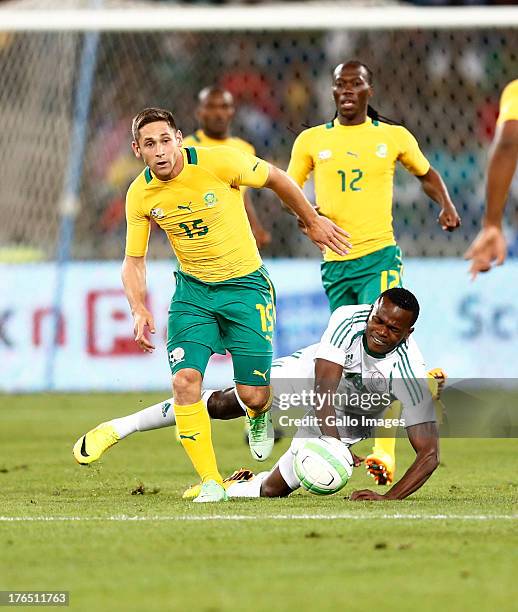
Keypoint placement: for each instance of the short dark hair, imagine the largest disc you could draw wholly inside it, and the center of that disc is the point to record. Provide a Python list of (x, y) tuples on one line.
[(403, 298), (150, 115), (357, 64)]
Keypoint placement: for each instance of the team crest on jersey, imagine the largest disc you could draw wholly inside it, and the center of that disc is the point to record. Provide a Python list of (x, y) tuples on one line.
[(177, 355), (381, 150), (326, 154), (157, 213), (348, 358), (210, 199), (377, 383)]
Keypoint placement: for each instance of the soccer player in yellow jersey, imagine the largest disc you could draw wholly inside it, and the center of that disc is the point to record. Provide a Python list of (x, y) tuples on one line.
[(214, 113), (490, 245), (353, 159), (224, 299)]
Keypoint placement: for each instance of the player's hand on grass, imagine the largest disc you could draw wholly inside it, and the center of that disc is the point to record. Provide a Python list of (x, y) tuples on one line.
[(143, 319), (449, 219), (324, 232), (488, 249), (366, 495)]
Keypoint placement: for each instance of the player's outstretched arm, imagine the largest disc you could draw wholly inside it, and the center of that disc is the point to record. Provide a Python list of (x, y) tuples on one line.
[(425, 440), (434, 187), (490, 246), (322, 231), (134, 281)]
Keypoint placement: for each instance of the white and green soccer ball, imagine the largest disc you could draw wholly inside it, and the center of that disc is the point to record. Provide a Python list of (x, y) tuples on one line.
[(323, 465)]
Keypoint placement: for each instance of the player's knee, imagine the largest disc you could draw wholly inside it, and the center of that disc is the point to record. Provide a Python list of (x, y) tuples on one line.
[(186, 385), (254, 398)]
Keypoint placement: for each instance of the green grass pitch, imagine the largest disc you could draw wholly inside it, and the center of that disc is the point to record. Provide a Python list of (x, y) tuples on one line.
[(302, 553)]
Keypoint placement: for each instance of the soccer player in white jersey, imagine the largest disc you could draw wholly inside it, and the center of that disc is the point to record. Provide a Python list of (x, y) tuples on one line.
[(364, 349)]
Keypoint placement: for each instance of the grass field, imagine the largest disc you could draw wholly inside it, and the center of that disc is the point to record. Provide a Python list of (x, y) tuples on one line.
[(452, 546)]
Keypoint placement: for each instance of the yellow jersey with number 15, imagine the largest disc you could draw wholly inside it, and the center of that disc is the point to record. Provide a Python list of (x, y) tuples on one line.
[(353, 169), (509, 103), (202, 212)]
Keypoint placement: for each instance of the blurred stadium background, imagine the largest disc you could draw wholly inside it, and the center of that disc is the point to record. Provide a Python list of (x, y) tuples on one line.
[(63, 177)]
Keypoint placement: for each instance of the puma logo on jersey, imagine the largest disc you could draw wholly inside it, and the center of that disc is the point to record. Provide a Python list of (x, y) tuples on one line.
[(261, 374), (253, 169), (352, 153), (185, 207)]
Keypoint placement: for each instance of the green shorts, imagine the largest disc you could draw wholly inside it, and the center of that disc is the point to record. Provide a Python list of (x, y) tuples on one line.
[(360, 281), (237, 315)]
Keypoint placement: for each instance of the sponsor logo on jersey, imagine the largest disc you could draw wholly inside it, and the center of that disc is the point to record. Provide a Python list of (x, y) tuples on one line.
[(176, 355), (157, 213), (326, 154), (381, 150), (210, 199)]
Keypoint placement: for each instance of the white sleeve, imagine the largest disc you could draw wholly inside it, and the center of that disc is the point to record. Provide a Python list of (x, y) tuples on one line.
[(410, 386), (340, 333)]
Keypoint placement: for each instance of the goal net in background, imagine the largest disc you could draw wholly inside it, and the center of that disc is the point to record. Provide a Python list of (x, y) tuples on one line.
[(442, 83)]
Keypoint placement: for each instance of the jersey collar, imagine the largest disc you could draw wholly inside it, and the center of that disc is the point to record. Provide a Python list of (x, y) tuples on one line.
[(377, 355), (366, 123)]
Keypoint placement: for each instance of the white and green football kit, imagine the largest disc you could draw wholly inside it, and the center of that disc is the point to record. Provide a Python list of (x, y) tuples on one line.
[(369, 384)]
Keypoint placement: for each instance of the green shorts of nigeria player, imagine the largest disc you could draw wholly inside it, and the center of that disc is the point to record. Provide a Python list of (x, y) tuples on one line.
[(237, 315), (360, 281)]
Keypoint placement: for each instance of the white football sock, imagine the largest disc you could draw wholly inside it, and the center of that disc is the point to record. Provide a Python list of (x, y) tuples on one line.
[(248, 488), (205, 395), (245, 410), (152, 417)]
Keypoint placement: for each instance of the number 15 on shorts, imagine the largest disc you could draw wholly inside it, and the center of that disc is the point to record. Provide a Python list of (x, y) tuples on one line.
[(267, 318)]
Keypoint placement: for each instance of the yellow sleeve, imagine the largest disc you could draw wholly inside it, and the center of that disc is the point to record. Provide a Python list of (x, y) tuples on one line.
[(410, 155), (249, 148), (301, 162), (237, 168), (509, 103), (190, 141), (137, 225)]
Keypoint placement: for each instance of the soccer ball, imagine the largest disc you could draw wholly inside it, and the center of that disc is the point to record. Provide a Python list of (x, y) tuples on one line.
[(323, 465)]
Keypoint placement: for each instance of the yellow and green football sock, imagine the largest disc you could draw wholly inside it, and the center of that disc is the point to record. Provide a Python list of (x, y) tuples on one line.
[(193, 424)]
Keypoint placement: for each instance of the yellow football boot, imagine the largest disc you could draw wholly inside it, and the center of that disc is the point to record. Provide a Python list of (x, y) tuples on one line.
[(242, 474), (381, 466), (93, 444)]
